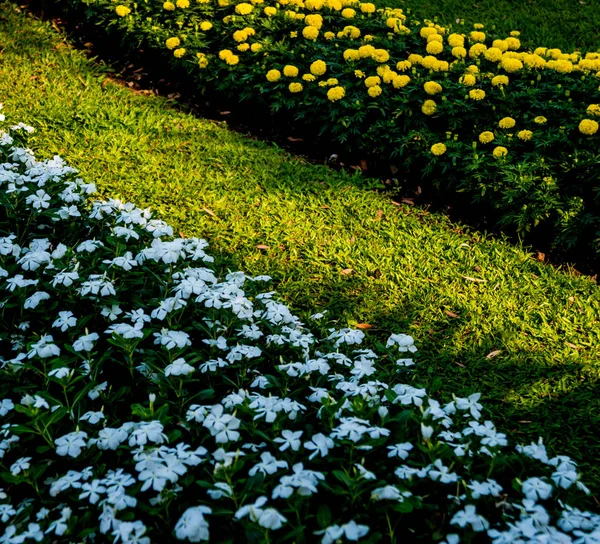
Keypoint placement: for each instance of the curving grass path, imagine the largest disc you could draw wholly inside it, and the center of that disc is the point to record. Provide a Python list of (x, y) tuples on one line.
[(486, 315)]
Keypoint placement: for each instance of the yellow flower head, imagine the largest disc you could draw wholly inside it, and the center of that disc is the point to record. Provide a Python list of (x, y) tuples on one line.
[(314, 20), (183, 4), (468, 80), (295, 87), (255, 47), (122, 11), (290, 71), (414, 58), (540, 120), (403, 65), (493, 54), (232, 60), (352, 32), (273, 75), (513, 43), (478, 26), (432, 87), (478, 37), (511, 65), (350, 55), (374, 91), (359, 74), (240, 36), (456, 40), (388, 76), (500, 151), (438, 149), (486, 137), (588, 127), (477, 50), (368, 38), (202, 60), (348, 13), (500, 81), (435, 38), (366, 51), (269, 11), (225, 53), (426, 31), (428, 107), (400, 81), (473, 69), (515, 33), (308, 77), (380, 55), (434, 48), (476, 94), (593, 109), (507, 122), (459, 52), (336, 93), (525, 135), (329, 35), (244, 9), (169, 6), (172, 43), (318, 68), (371, 81), (243, 47), (500, 44), (367, 8), (205, 25), (310, 33)]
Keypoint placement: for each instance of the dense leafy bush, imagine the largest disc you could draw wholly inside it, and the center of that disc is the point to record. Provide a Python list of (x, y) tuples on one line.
[(515, 131), (145, 394)]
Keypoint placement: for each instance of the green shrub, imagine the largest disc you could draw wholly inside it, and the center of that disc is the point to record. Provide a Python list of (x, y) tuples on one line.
[(414, 94)]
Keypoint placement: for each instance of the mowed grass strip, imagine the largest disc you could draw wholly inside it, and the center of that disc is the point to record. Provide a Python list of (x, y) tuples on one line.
[(486, 316)]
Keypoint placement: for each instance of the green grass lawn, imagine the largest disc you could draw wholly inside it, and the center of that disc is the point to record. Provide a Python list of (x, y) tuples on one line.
[(566, 24), (486, 316)]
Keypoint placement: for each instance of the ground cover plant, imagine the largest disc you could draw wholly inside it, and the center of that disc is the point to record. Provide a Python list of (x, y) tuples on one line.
[(468, 110), (525, 336), (147, 395)]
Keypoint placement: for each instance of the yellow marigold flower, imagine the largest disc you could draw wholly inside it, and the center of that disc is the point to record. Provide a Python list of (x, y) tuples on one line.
[(392, 22), (432, 87), (371, 81), (429, 62), (434, 48), (310, 33), (380, 55), (350, 55), (477, 50), (314, 20), (223, 4), (388, 76), (493, 54), (290, 71), (323, 84), (477, 36), (507, 122), (367, 8), (588, 127), (459, 52), (205, 25), (513, 43), (240, 36), (295, 87), (472, 69), (435, 38), (329, 35), (308, 77), (426, 31), (352, 31), (477, 94), (383, 69), (438, 149), (525, 135), (366, 51), (468, 80), (367, 38), (403, 65), (179, 52), (515, 33), (169, 6), (511, 65), (225, 53), (336, 93), (498, 81), (500, 44), (202, 60), (564, 67), (172, 43), (273, 75), (540, 51), (255, 47), (243, 47), (442, 66), (122, 11), (374, 91), (315, 5), (183, 4), (359, 74), (232, 60), (348, 13), (269, 11), (332, 81), (500, 151), (540, 120), (244, 9), (400, 81), (478, 26), (414, 58), (593, 109), (456, 40), (318, 68), (428, 107), (486, 137)]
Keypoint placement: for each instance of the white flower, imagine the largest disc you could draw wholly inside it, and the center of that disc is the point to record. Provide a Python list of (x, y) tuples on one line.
[(179, 368), (351, 530), (534, 489), (112, 312), (469, 516), (268, 465), (92, 417), (64, 321), (89, 246), (60, 373), (6, 405), (33, 301), (110, 438), (71, 444), (470, 404), (40, 200), (172, 339), (44, 348), (289, 439), (127, 331), (222, 426), (319, 444), (400, 450), (269, 518), (94, 393), (442, 473), (403, 341), (85, 343), (151, 431), (192, 525), (20, 465), (222, 490)]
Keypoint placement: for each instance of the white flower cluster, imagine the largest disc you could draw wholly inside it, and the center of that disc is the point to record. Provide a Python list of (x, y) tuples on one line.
[(146, 393)]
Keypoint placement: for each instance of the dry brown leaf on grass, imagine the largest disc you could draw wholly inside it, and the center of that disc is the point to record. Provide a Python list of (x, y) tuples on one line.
[(347, 271), (493, 354)]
